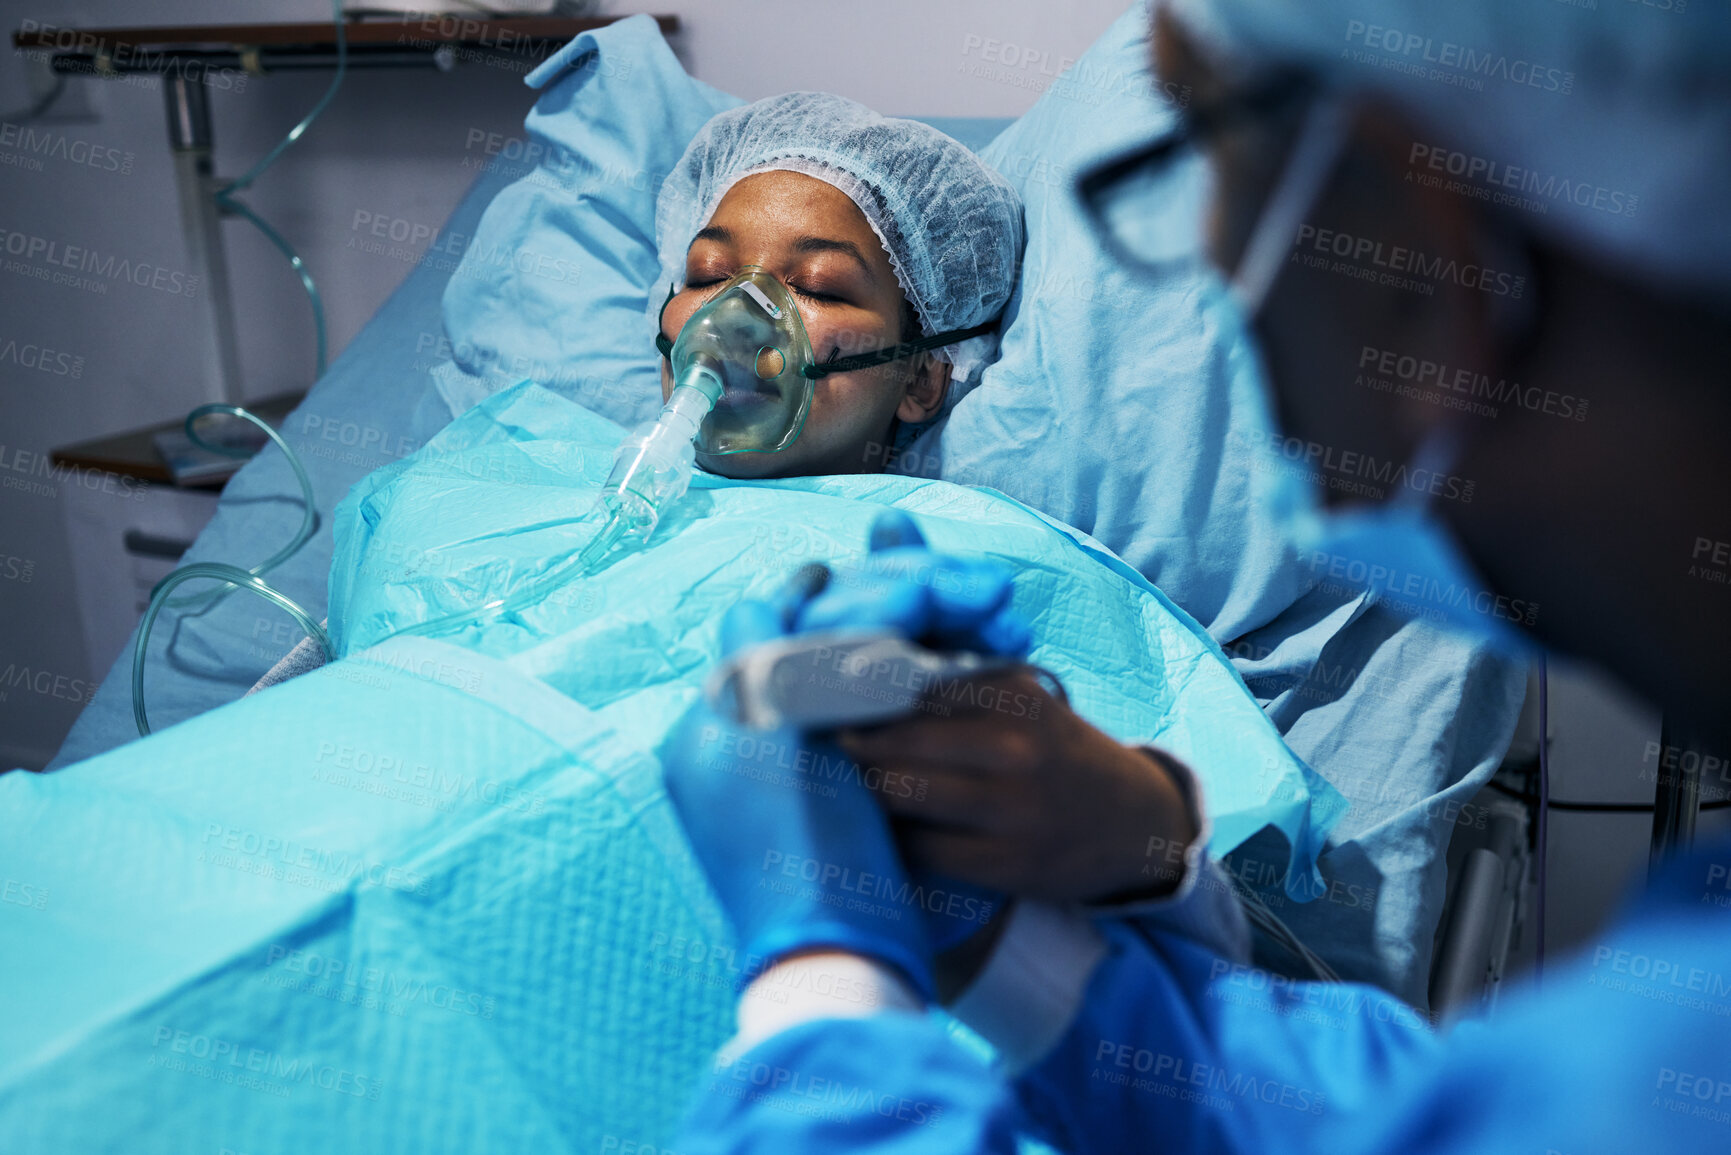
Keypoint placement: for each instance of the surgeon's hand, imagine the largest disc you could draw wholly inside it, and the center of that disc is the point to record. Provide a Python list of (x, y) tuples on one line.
[(795, 848), (943, 601), (1013, 790)]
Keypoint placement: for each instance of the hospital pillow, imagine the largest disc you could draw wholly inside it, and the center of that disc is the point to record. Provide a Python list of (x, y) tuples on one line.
[(1128, 408), (554, 283)]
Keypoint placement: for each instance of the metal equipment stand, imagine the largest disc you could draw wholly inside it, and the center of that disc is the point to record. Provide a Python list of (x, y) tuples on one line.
[(201, 222)]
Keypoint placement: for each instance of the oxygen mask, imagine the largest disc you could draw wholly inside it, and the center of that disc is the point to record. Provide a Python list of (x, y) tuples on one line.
[(747, 349)]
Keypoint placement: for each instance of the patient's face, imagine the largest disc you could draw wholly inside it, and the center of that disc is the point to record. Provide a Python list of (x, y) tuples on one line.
[(818, 243)]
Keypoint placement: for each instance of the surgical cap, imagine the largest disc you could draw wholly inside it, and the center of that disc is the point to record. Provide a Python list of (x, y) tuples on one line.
[(951, 226), (1610, 121)]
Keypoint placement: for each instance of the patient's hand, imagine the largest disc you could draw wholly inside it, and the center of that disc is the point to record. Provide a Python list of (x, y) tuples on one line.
[(1014, 790)]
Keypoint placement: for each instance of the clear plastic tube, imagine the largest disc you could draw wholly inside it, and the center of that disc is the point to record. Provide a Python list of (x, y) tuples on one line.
[(239, 579), (309, 511), (233, 577), (651, 471), (228, 200)]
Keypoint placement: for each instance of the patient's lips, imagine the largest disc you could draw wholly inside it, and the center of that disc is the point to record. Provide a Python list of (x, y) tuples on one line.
[(751, 400)]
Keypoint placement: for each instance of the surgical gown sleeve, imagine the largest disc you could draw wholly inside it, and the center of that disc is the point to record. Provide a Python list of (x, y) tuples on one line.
[(892, 1082), (1173, 1048), (1625, 1048)]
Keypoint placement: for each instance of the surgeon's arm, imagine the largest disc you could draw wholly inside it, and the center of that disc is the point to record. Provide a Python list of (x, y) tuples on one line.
[(834, 1054), (1121, 1043), (1113, 1035)]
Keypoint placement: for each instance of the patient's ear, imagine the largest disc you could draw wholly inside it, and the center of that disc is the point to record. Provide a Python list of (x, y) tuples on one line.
[(926, 389)]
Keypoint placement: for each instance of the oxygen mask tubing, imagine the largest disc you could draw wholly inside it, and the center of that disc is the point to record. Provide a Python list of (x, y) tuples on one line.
[(743, 374), (742, 382)]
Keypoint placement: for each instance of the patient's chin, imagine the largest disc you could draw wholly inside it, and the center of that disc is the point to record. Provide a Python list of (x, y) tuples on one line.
[(749, 466)]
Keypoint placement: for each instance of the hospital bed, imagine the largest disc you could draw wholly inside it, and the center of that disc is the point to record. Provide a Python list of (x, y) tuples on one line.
[(1366, 698)]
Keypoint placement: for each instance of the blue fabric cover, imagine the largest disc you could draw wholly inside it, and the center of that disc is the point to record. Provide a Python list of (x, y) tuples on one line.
[(414, 902), (432, 897), (496, 500)]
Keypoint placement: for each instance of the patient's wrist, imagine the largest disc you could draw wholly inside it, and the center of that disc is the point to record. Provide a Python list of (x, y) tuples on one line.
[(1176, 835)]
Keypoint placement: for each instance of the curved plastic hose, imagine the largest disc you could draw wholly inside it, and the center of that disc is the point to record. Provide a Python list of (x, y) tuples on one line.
[(241, 579), (226, 199), (312, 290), (309, 514), (248, 578)]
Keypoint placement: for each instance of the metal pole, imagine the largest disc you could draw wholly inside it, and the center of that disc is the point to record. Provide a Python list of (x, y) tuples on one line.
[(201, 224)]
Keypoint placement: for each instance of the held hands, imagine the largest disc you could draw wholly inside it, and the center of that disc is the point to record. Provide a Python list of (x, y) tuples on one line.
[(998, 784), (1010, 788)]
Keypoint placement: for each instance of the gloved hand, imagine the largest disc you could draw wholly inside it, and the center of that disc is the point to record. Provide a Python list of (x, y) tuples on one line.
[(795, 847), (941, 601), (945, 602)]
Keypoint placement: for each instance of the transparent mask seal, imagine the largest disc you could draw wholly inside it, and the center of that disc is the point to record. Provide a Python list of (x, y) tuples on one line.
[(747, 347)]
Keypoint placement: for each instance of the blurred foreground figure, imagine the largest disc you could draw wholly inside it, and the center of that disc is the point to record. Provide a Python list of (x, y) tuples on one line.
[(1487, 241)]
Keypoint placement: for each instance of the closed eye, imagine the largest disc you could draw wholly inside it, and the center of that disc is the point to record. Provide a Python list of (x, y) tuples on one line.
[(814, 295)]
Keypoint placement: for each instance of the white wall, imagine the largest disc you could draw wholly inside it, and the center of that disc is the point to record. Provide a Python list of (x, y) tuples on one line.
[(393, 144), (901, 57)]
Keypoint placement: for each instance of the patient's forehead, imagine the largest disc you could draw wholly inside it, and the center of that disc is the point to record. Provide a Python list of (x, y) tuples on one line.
[(767, 206)]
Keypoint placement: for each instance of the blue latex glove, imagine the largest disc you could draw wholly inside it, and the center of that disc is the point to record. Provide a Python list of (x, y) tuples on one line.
[(945, 602), (948, 603), (796, 849)]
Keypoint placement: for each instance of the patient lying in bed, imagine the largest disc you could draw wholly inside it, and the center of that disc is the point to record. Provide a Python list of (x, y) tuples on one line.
[(885, 232)]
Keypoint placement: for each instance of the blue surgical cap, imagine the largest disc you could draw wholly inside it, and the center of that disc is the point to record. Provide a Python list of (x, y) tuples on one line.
[(1609, 123), (952, 227)]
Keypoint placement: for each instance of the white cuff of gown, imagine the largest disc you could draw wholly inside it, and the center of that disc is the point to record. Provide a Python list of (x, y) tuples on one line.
[(1029, 991), (1031, 988), (817, 986)]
